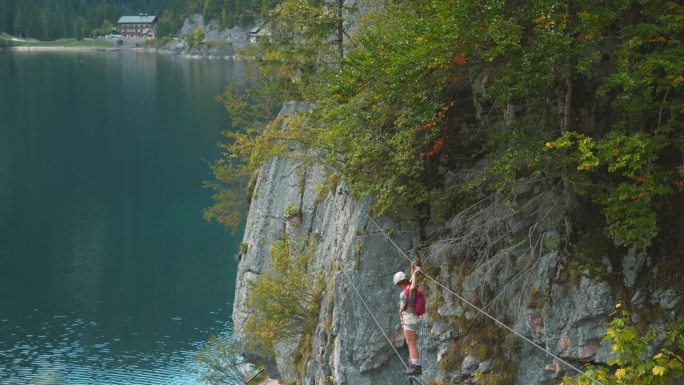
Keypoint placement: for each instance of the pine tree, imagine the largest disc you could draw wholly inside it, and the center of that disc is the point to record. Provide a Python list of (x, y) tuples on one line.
[(3, 15), (79, 28), (166, 25), (17, 27), (210, 10)]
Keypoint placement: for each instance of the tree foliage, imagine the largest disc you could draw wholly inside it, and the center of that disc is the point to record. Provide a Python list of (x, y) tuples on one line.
[(79, 28), (382, 114), (236, 170), (283, 301), (167, 24), (49, 20), (219, 363), (195, 38), (578, 93), (106, 27), (635, 166), (288, 63)]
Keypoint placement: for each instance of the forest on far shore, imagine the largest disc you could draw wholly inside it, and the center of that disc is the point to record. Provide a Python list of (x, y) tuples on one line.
[(54, 19)]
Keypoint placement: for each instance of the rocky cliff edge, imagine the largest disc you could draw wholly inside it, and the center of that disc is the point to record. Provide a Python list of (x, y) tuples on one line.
[(501, 253)]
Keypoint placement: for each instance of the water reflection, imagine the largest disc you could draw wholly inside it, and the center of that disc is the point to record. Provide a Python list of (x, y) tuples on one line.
[(84, 269), (5, 194), (69, 350), (108, 273)]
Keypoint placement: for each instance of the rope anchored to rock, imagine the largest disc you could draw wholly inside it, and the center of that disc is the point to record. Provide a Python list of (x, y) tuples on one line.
[(499, 323), (378, 323)]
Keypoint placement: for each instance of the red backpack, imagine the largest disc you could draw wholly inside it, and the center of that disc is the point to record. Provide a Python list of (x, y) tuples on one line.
[(418, 301)]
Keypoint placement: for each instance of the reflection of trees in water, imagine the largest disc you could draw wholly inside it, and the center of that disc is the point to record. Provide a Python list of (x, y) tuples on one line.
[(99, 186), (139, 86), (5, 180), (5, 196), (86, 254)]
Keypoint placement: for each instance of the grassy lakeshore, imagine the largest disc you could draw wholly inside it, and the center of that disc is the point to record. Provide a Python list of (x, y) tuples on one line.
[(11, 42)]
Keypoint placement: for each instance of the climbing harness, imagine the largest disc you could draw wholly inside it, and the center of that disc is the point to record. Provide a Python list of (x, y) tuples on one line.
[(501, 324), (411, 378)]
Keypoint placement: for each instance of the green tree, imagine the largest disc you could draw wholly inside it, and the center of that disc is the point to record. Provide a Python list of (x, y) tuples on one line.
[(301, 49), (304, 43), (79, 28), (17, 20), (3, 15), (43, 23), (211, 10), (220, 363), (106, 28), (389, 102), (428, 88), (9, 9), (635, 164), (284, 300), (166, 26), (195, 38)]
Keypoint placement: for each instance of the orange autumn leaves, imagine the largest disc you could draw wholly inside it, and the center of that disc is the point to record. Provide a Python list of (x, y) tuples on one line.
[(435, 148), (679, 184), (436, 145)]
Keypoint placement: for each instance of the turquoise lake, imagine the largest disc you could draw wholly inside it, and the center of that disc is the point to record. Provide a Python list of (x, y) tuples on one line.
[(108, 273)]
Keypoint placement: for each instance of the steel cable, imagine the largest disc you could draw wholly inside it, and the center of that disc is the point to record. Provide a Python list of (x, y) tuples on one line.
[(378, 323), (501, 324)]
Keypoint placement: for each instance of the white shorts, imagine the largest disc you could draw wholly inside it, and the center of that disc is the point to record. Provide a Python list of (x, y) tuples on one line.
[(410, 321)]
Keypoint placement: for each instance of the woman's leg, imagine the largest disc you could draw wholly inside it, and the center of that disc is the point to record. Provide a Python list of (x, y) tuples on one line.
[(411, 339)]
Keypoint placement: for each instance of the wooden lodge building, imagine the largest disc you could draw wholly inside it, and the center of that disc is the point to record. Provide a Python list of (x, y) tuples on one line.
[(262, 31), (143, 26)]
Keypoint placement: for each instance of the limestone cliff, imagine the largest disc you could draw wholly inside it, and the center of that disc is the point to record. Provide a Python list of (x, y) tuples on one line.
[(502, 253), (218, 42)]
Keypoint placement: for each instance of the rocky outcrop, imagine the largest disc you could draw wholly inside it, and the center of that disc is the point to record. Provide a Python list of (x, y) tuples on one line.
[(218, 42), (501, 253), (348, 348)]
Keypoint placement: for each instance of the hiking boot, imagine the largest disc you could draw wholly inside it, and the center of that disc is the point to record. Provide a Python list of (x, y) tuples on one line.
[(414, 370)]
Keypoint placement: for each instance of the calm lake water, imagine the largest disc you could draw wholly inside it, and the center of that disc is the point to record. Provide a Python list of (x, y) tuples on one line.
[(108, 273)]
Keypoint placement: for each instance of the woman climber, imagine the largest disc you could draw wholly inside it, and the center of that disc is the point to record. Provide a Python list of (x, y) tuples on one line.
[(412, 306)]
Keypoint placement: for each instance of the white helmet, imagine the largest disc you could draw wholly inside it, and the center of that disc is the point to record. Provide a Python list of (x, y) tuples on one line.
[(398, 277)]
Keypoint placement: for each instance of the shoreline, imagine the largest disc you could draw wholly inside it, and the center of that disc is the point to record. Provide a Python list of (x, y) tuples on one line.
[(190, 55), (157, 51), (46, 48)]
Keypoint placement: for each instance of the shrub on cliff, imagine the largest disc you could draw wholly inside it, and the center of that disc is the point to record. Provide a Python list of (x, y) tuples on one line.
[(220, 363), (631, 363), (195, 39), (284, 300)]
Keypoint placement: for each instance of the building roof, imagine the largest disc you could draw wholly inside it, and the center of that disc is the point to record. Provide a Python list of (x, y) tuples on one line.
[(137, 19), (257, 27), (261, 30)]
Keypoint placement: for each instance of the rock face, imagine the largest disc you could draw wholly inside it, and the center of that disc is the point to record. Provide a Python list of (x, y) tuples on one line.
[(501, 254), (225, 42), (348, 347)]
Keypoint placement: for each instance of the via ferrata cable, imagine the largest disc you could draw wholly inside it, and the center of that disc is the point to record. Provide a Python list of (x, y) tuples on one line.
[(501, 324)]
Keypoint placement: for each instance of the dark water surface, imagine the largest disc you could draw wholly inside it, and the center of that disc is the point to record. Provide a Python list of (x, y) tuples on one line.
[(108, 273)]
